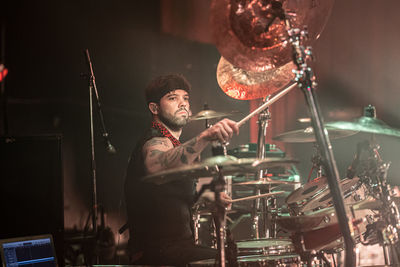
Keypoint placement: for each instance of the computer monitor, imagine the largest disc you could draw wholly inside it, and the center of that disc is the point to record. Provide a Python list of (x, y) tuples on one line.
[(31, 251)]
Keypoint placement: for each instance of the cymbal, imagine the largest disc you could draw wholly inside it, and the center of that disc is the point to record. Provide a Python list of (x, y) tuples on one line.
[(366, 204), (242, 33), (257, 196), (209, 114), (299, 223), (208, 212), (210, 167), (245, 85), (366, 125), (267, 181), (307, 135)]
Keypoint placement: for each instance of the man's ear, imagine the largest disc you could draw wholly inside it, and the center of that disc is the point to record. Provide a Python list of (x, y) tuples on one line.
[(153, 107)]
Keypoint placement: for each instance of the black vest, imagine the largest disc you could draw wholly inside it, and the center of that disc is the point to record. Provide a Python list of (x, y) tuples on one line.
[(157, 214)]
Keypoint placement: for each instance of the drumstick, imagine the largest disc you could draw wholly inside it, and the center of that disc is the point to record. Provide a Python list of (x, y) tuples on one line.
[(257, 196), (267, 104)]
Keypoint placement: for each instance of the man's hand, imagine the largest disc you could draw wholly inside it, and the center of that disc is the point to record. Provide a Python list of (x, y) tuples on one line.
[(209, 196), (221, 131)]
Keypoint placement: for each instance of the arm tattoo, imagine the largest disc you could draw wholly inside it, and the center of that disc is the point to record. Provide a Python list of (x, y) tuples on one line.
[(184, 159), (167, 158), (190, 146), (155, 141), (162, 155), (155, 152)]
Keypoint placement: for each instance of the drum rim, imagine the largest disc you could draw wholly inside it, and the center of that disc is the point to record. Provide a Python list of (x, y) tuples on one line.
[(299, 201)]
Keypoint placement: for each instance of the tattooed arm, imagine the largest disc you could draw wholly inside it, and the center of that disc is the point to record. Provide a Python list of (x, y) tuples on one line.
[(160, 154)]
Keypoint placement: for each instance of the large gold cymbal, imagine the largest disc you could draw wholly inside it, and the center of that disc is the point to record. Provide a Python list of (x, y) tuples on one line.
[(239, 29), (245, 85)]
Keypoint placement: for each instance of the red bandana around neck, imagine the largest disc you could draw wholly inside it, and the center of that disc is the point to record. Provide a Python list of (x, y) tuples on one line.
[(164, 131)]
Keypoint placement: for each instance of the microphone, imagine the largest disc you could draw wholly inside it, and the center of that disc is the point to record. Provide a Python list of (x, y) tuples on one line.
[(109, 147)]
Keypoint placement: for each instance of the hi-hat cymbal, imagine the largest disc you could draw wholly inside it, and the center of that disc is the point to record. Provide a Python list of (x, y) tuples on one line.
[(366, 125), (307, 135), (248, 36), (266, 181), (209, 114), (210, 167), (245, 85)]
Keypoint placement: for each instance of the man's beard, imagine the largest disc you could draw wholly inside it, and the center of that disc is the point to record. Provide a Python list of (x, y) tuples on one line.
[(175, 123)]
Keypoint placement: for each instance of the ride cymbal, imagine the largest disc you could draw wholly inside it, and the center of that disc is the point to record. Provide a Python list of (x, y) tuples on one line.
[(307, 135), (249, 33), (366, 125)]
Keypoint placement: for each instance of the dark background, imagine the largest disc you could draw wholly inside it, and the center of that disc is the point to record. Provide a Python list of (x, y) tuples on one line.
[(130, 42)]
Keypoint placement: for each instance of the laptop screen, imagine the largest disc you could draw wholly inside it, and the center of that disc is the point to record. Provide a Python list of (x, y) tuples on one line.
[(36, 251)]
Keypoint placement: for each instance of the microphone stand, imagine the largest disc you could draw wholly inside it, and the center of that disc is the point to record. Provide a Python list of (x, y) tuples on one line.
[(109, 147), (305, 80), (3, 92)]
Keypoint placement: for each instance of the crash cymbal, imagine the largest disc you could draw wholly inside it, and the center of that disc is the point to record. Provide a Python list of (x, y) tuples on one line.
[(257, 196), (210, 167), (247, 35), (307, 135), (366, 125), (245, 85), (266, 181), (299, 223), (209, 114)]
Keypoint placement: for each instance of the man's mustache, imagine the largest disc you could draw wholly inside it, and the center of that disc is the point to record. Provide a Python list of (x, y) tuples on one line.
[(184, 109)]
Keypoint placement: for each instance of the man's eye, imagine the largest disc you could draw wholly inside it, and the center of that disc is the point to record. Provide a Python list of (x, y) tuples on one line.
[(172, 98)]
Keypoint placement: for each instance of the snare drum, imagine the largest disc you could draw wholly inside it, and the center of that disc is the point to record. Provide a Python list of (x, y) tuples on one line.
[(353, 192), (288, 260), (316, 195), (351, 189), (265, 247)]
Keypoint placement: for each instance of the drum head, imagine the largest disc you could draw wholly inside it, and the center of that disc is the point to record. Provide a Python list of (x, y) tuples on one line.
[(264, 243), (276, 258), (324, 199), (307, 191), (265, 247)]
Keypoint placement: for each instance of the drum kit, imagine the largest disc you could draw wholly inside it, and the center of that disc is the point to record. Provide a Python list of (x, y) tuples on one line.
[(265, 49)]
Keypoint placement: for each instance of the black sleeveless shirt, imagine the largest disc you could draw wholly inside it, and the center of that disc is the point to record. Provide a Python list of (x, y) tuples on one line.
[(157, 214)]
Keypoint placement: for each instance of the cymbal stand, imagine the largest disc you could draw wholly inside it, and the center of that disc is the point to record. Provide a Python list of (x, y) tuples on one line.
[(260, 205), (217, 148), (217, 186), (306, 81), (316, 161), (388, 224)]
